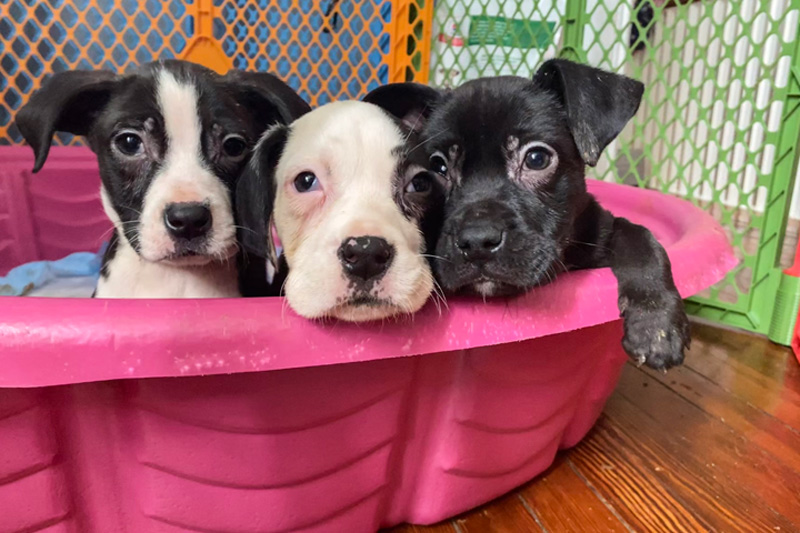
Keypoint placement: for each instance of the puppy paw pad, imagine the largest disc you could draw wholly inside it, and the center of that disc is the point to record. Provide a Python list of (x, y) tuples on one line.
[(656, 337)]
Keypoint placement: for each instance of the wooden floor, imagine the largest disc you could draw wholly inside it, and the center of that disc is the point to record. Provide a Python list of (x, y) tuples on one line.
[(711, 446)]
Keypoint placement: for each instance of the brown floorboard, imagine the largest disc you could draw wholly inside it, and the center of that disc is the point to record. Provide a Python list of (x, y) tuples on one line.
[(711, 446), (508, 514), (563, 501), (445, 527)]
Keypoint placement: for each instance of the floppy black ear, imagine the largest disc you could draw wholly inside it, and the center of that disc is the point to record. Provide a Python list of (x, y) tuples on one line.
[(269, 99), (598, 103), (411, 102), (69, 101), (255, 194)]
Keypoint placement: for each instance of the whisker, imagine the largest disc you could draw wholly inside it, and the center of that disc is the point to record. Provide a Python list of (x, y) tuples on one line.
[(107, 233), (437, 302), (416, 122), (128, 208), (245, 229), (114, 227), (429, 139), (285, 302), (407, 310), (438, 292), (592, 244), (439, 257)]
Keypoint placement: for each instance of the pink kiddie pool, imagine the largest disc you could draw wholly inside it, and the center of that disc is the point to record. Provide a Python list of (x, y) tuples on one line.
[(106, 424)]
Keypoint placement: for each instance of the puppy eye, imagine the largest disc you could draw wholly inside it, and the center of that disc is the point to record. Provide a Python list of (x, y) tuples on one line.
[(421, 183), (129, 143), (306, 182), (438, 164), (537, 159), (234, 145)]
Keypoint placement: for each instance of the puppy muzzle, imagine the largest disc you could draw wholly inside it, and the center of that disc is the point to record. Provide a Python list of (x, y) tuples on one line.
[(479, 232), (187, 236), (479, 247)]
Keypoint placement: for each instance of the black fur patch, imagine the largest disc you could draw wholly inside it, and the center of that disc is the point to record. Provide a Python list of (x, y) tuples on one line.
[(109, 254)]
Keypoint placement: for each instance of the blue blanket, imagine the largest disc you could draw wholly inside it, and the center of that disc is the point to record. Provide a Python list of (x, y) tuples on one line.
[(24, 279)]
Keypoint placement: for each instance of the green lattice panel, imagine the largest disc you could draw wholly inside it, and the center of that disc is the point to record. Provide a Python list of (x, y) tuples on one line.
[(719, 122)]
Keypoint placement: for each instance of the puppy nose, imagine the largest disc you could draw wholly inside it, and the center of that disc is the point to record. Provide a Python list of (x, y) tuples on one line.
[(479, 241), (187, 220), (366, 258)]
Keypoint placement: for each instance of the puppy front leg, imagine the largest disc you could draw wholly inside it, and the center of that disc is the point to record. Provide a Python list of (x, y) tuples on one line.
[(654, 320)]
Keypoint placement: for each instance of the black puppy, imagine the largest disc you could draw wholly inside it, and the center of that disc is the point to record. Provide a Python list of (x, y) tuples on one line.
[(513, 152)]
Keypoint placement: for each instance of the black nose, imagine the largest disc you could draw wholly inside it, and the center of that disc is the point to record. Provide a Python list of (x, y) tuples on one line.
[(187, 220), (480, 240), (365, 258)]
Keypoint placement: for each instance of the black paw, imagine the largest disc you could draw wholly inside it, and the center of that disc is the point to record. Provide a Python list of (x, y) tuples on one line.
[(656, 331)]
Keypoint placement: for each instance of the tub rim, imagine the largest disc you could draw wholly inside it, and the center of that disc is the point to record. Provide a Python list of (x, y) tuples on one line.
[(96, 340)]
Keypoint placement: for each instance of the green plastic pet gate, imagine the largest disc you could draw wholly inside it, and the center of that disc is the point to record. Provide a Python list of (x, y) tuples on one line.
[(719, 124)]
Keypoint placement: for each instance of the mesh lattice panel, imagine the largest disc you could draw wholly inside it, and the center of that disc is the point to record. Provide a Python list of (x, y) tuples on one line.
[(719, 123), (325, 50), (38, 38)]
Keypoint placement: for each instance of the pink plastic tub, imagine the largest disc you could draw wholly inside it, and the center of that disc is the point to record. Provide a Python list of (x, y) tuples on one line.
[(296, 426)]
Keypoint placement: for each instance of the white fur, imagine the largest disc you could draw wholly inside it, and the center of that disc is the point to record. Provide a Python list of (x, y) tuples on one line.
[(183, 176), (348, 146), (131, 276)]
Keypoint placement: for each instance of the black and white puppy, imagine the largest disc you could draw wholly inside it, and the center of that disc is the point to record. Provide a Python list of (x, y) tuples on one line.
[(349, 186), (514, 152), (171, 138)]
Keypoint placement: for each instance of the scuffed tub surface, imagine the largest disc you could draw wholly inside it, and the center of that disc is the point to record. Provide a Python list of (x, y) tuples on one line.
[(341, 448)]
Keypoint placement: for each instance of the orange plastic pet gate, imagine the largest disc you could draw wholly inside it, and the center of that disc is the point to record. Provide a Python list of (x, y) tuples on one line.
[(326, 50)]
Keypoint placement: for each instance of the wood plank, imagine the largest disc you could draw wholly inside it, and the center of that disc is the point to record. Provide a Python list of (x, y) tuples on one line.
[(755, 351), (563, 502), (655, 491), (612, 463), (732, 362), (504, 515), (444, 527), (721, 464), (762, 429), (776, 362), (756, 389)]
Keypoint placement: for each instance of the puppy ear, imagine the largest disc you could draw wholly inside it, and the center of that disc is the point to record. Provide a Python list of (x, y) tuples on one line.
[(412, 103), (598, 103), (255, 194), (69, 101), (269, 99)]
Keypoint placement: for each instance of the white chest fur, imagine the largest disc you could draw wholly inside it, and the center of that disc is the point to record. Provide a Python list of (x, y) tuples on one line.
[(129, 276)]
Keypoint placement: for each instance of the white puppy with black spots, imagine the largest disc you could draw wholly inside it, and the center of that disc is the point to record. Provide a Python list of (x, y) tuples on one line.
[(171, 139), (351, 200)]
